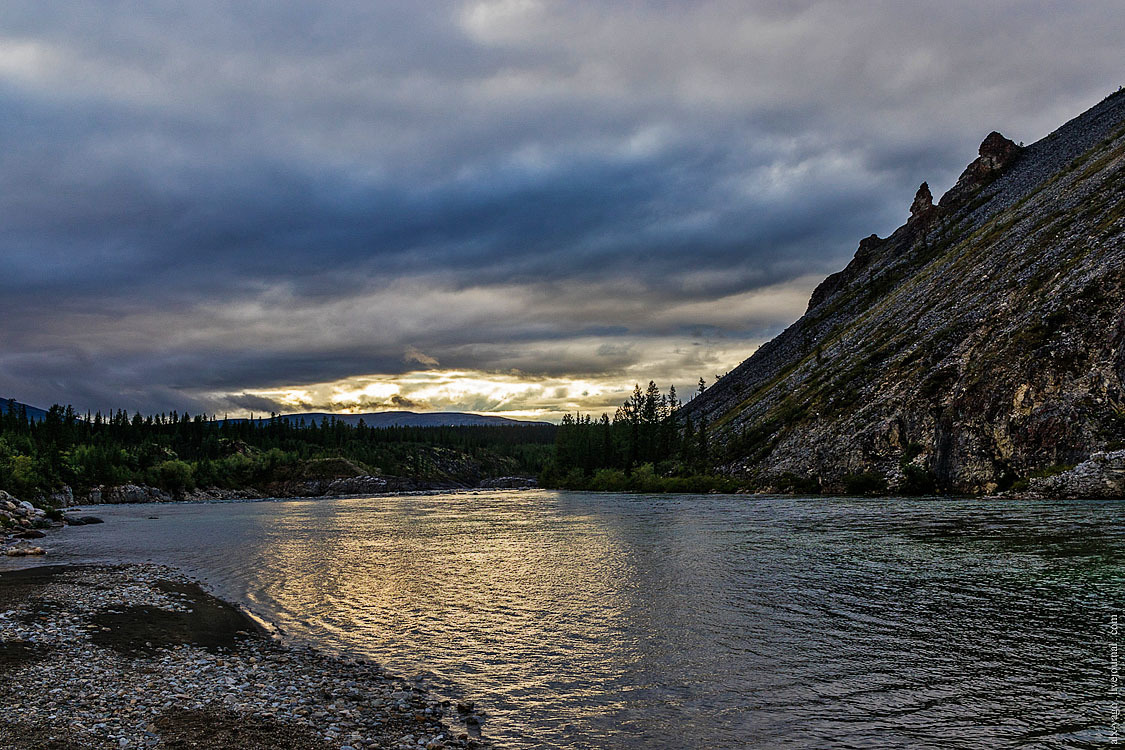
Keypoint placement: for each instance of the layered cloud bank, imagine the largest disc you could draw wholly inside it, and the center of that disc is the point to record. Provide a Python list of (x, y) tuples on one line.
[(512, 206)]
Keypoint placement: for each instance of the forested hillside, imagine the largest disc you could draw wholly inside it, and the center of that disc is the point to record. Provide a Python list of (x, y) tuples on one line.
[(177, 453)]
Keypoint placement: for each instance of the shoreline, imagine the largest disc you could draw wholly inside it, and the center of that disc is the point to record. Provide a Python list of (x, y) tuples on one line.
[(18, 541), (142, 656), (359, 486)]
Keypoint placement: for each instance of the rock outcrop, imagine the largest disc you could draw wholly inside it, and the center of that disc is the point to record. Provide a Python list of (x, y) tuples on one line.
[(978, 345), (19, 521), (923, 204), (1101, 476), (996, 154)]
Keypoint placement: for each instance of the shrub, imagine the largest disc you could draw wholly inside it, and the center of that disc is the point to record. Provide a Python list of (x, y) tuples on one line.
[(865, 483), (912, 451), (174, 475), (574, 480), (609, 480), (797, 484), (919, 481)]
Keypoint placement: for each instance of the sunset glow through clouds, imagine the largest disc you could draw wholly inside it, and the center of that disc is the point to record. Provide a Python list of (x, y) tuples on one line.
[(511, 206)]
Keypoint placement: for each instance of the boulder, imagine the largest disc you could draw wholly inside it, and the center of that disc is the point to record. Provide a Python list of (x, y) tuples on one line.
[(22, 551), (62, 498)]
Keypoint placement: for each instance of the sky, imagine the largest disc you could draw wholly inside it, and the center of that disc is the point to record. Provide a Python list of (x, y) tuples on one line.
[(520, 207)]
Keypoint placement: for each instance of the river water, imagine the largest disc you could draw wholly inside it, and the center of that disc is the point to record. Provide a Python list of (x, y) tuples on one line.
[(584, 620)]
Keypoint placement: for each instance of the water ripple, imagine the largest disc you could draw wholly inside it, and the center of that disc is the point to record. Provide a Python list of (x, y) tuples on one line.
[(604, 621)]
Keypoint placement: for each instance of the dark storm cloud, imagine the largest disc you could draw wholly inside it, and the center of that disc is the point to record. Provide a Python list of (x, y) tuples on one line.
[(200, 201)]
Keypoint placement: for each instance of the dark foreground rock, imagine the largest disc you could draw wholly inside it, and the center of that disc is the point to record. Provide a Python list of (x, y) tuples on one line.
[(82, 520), (142, 657)]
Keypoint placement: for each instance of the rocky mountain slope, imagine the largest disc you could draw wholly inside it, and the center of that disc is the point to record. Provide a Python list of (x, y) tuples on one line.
[(978, 348)]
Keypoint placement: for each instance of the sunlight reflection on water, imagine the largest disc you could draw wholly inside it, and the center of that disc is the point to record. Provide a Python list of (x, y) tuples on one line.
[(610, 621)]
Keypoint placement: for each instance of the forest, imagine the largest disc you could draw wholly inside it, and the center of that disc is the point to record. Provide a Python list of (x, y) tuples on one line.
[(177, 452), (644, 447)]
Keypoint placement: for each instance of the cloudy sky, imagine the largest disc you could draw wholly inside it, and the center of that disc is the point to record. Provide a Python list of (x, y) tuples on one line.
[(516, 206)]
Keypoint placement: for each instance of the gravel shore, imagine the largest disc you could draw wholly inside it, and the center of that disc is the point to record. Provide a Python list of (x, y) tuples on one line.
[(139, 656)]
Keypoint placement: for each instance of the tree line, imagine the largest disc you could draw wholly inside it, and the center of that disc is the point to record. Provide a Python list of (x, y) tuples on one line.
[(175, 451), (645, 446)]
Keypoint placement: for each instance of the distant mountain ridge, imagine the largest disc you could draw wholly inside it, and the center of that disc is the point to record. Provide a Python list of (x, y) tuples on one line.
[(407, 419), (980, 346), (371, 419), (33, 412)]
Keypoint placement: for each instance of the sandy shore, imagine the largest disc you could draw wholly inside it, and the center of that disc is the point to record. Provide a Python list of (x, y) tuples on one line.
[(140, 656)]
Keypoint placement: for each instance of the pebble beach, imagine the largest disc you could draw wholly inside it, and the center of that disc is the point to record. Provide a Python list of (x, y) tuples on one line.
[(140, 656)]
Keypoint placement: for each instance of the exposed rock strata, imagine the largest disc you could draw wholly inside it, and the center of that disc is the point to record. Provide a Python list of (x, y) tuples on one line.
[(979, 344)]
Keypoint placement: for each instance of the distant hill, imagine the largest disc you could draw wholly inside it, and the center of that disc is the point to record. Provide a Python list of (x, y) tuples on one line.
[(33, 412), (410, 419)]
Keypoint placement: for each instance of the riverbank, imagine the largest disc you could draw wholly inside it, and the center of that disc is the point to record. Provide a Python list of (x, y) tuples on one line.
[(140, 656), (355, 486)]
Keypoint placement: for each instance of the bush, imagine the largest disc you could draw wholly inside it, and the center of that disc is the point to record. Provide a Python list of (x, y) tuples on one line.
[(797, 484), (919, 481), (911, 452), (175, 475), (25, 477), (865, 483), (609, 480), (549, 476), (574, 480)]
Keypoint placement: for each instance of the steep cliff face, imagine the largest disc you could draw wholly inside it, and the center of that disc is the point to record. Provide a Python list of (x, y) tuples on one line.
[(979, 345)]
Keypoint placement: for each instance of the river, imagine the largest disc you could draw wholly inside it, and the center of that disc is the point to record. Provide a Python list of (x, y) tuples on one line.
[(587, 620)]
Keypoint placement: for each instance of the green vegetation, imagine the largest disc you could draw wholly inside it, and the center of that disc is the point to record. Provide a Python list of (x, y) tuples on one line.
[(643, 448), (865, 483), (918, 481), (177, 452), (796, 484), (1021, 485), (643, 478)]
